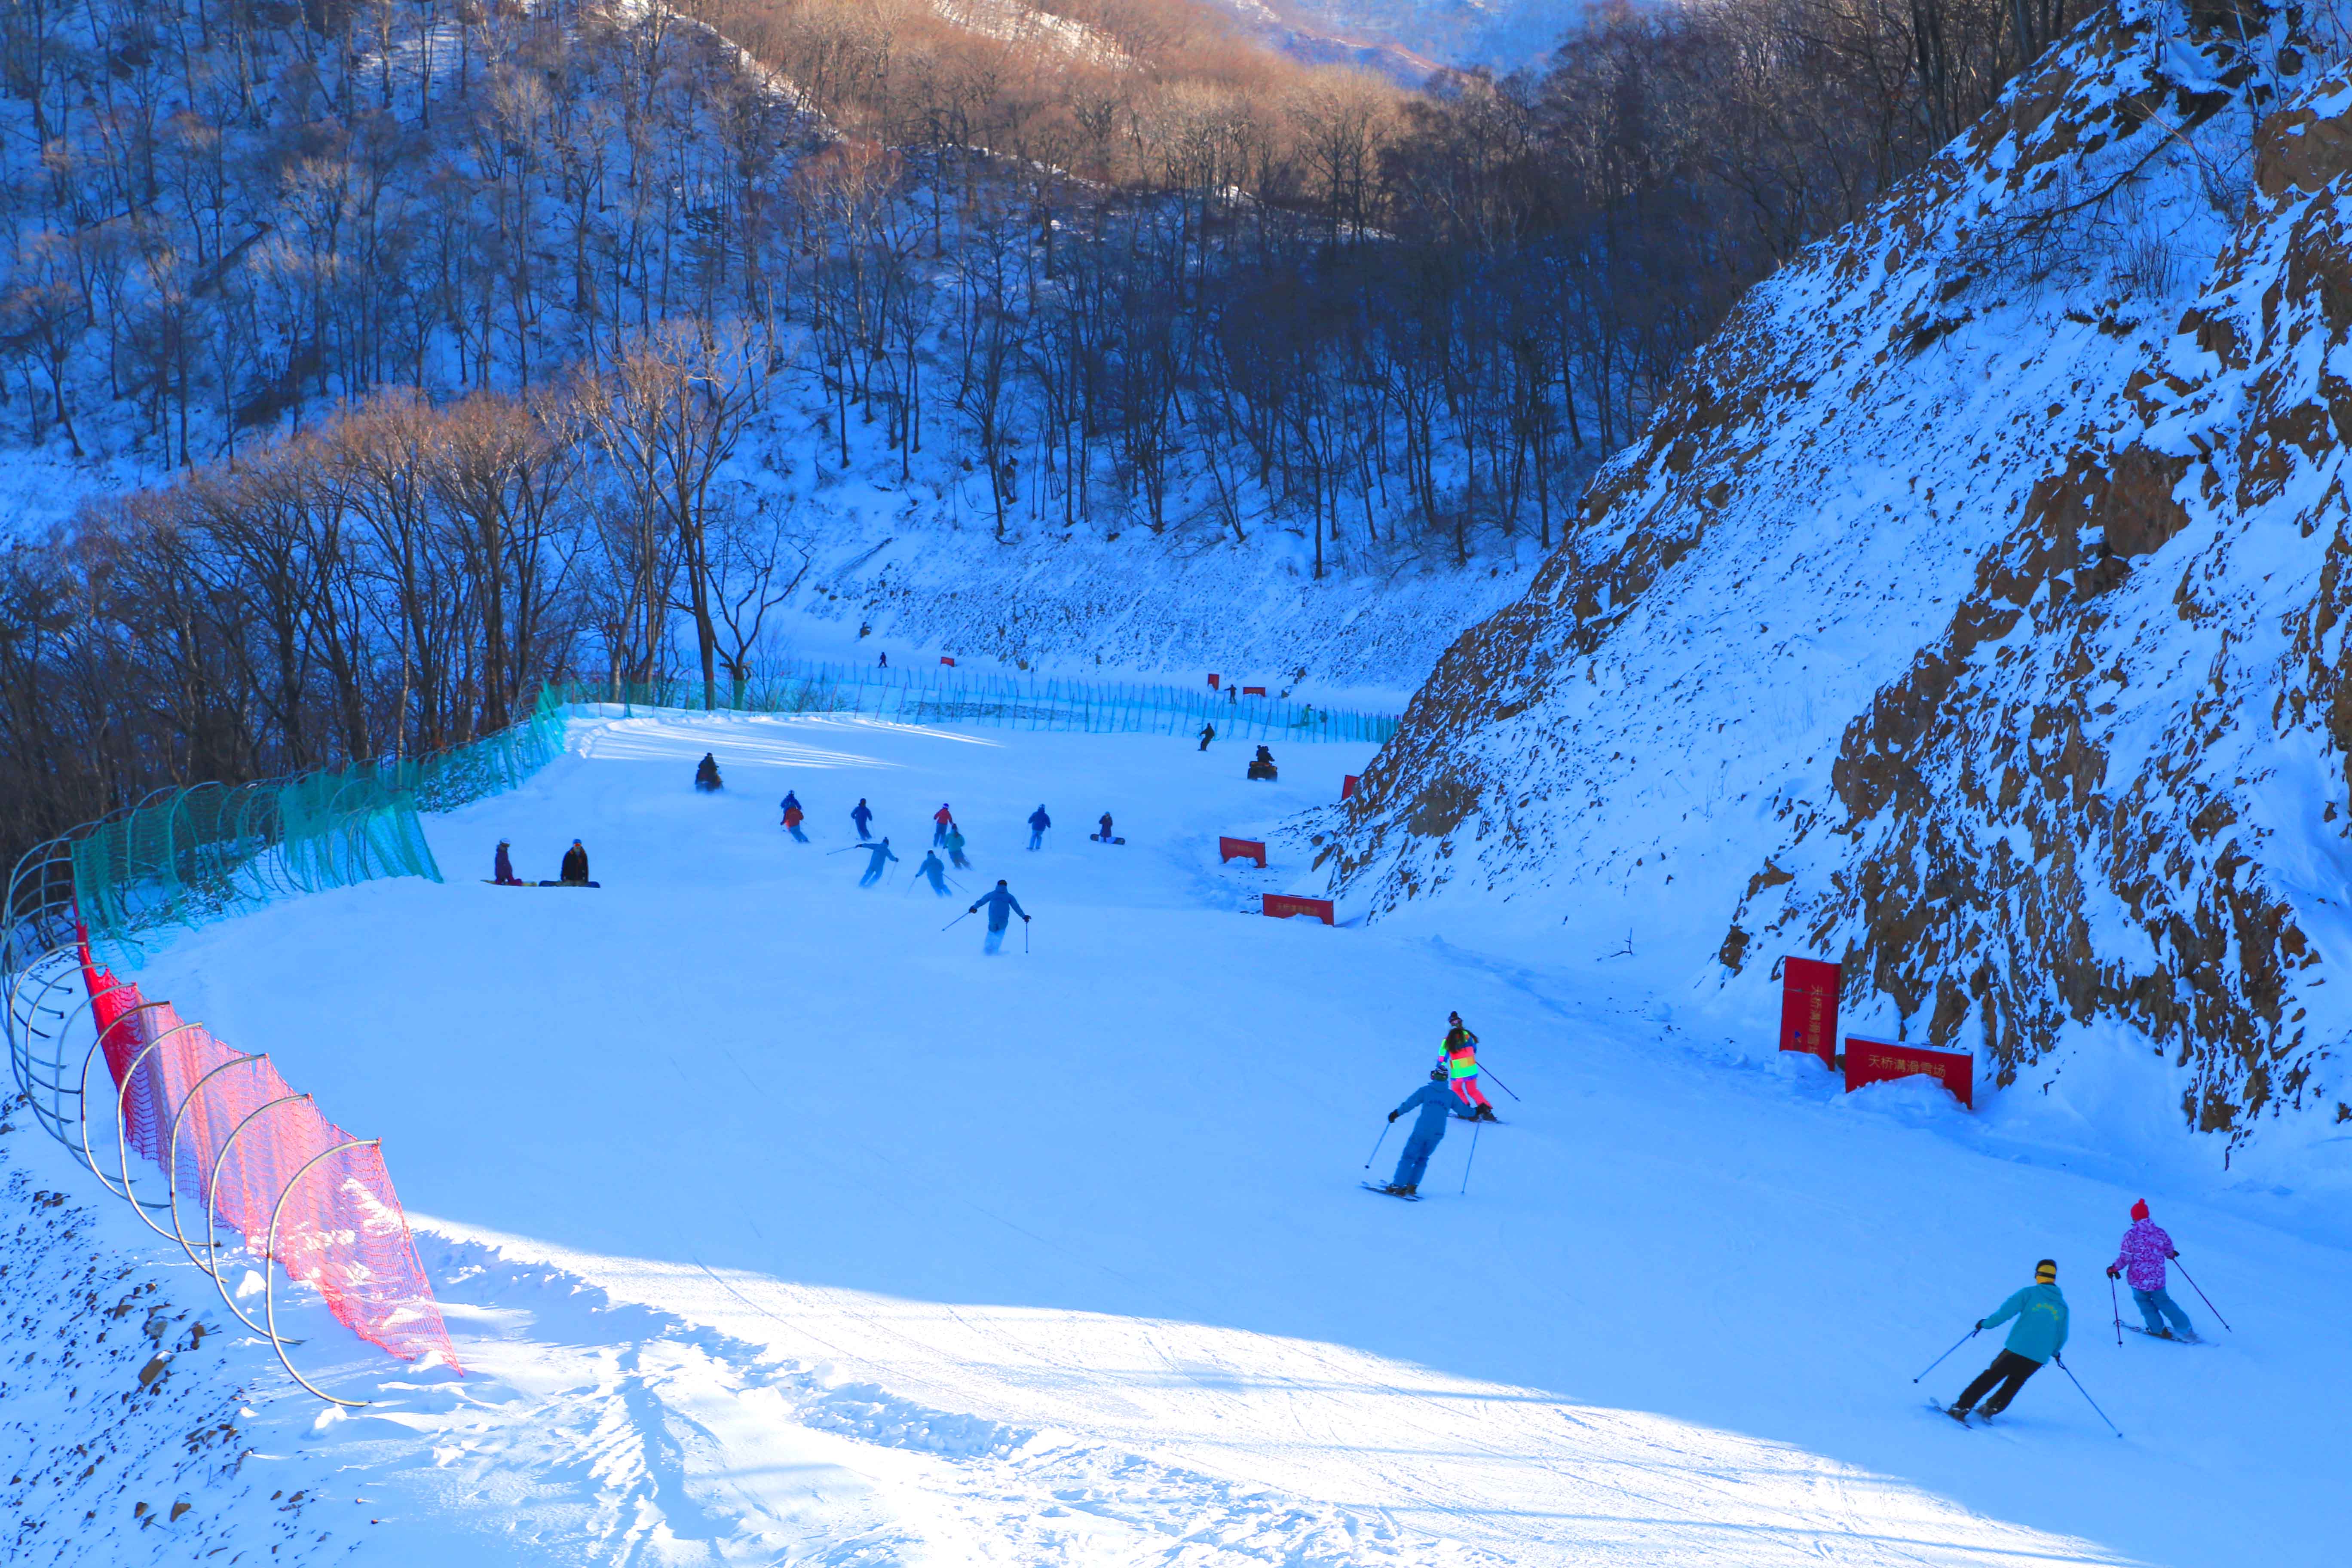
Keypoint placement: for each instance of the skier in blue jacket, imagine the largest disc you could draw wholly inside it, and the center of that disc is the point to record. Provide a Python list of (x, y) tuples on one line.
[(881, 857), (863, 815), (2041, 1333), (1436, 1102), (1038, 823), (1001, 906), (936, 869)]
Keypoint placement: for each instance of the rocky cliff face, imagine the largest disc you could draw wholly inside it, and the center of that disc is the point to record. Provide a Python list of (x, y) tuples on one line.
[(1974, 611)]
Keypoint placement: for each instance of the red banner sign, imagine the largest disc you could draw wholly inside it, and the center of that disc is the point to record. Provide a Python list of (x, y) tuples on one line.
[(1809, 1007), (1881, 1061), (1282, 906), (948, 661), (1347, 783), (1253, 691), (1241, 849)]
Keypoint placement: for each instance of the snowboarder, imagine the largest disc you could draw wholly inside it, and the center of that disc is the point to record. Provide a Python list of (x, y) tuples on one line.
[(884, 663), (937, 872), (880, 856), (2141, 1261), (1436, 1102), (502, 868), (941, 820), (706, 773), (1001, 905), (2041, 1333), (1104, 836), (794, 817), (955, 848), (1261, 765), (1462, 1068), (864, 816), (575, 863), (1038, 823), (1208, 733)]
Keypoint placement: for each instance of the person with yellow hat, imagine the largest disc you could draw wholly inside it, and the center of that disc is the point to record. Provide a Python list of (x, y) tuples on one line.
[(2041, 1333)]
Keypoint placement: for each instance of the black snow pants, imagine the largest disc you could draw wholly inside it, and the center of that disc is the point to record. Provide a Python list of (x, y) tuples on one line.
[(2010, 1370)]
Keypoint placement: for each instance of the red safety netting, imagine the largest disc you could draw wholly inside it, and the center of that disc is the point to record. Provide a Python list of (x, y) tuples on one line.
[(340, 1230)]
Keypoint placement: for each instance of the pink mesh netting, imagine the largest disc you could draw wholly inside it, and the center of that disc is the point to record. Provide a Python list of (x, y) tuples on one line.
[(341, 1229)]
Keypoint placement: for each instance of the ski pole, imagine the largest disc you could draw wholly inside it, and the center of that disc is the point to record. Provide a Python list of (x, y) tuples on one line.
[(1024, 936), (1498, 1082), (1376, 1146), (953, 923), (1471, 1161), (2200, 1293), (1947, 1355), (2114, 1305), (2086, 1392)]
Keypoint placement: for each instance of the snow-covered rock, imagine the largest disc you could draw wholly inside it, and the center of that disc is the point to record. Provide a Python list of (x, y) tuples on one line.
[(1972, 611)]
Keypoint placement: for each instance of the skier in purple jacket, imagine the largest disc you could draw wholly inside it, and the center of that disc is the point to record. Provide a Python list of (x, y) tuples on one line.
[(2141, 1263)]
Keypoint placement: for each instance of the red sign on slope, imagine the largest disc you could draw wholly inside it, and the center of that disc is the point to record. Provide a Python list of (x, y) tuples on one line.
[(1809, 1007), (1880, 1061)]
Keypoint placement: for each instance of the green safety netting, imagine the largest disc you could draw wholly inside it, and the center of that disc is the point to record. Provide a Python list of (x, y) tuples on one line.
[(189, 856), (1004, 701)]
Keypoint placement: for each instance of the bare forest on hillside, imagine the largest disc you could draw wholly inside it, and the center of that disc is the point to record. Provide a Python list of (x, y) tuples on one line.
[(457, 322)]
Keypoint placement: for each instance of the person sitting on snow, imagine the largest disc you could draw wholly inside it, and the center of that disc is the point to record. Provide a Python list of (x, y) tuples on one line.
[(575, 863), (706, 773), (502, 868)]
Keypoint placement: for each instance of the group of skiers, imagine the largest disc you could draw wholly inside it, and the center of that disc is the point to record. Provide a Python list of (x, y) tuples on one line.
[(1452, 1091), (574, 875), (2041, 1318)]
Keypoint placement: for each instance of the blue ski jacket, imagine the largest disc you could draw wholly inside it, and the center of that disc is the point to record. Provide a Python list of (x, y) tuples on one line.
[(881, 853), (933, 866), (790, 801), (2041, 1314), (861, 816), (1436, 1102), (1039, 821), (1001, 905)]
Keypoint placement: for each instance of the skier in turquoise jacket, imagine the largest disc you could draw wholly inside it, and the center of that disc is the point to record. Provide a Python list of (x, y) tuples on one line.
[(1436, 1102), (2039, 1336)]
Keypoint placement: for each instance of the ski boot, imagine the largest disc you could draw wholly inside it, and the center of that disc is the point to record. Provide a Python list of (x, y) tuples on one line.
[(1959, 1413)]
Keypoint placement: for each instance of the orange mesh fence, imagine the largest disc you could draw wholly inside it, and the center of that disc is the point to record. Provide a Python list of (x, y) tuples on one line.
[(340, 1227)]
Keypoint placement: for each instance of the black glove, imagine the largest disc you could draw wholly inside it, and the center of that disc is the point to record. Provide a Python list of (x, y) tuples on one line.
[(1392, 1116), (1024, 920), (2170, 1255), (2112, 1274), (1979, 1328)]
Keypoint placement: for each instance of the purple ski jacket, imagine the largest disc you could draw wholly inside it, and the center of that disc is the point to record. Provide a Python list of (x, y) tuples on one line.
[(2145, 1247)]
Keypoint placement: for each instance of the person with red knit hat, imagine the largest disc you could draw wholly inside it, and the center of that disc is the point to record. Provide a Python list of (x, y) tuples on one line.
[(2141, 1263)]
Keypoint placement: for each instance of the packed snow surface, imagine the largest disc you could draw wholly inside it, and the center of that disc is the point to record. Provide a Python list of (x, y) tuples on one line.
[(775, 1223)]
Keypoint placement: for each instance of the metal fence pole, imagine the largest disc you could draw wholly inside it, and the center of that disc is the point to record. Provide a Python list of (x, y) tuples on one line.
[(270, 1290)]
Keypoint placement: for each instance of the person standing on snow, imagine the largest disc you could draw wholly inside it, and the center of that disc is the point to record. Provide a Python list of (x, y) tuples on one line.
[(2040, 1335), (1208, 733), (941, 820), (1105, 825), (794, 817), (1461, 1069), (575, 862), (1436, 1103), (955, 848), (1038, 823), (2141, 1262), (880, 856), (864, 816), (1001, 905), (937, 872)]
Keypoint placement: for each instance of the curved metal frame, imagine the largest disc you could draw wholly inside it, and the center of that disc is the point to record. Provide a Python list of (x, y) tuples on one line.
[(123, 1125), (269, 1289), (20, 1053), (90, 1003), (171, 1148), (211, 1259), (82, 1100)]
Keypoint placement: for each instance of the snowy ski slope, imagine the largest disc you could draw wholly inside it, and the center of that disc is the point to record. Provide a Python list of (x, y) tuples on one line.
[(777, 1226)]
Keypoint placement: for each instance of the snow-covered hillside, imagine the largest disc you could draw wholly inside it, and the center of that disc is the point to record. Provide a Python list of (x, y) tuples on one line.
[(1971, 615), (775, 1223)]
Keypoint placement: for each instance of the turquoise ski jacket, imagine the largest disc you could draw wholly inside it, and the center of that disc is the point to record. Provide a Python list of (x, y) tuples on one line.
[(2041, 1314)]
